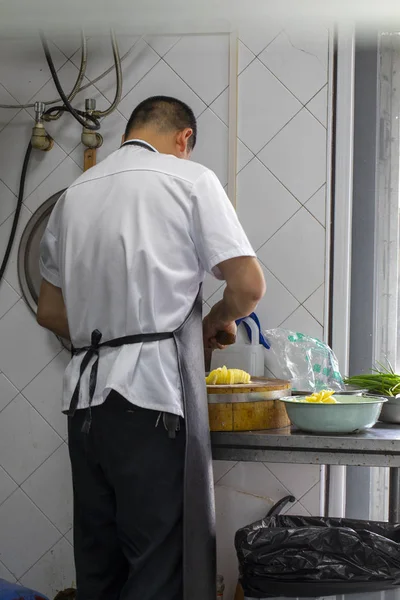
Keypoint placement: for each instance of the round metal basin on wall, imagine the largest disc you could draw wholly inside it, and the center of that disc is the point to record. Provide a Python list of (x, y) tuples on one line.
[(28, 254)]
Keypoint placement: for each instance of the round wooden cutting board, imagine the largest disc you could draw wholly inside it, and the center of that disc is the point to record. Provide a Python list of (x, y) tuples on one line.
[(248, 407)]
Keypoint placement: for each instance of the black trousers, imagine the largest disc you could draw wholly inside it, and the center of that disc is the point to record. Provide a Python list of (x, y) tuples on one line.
[(128, 503)]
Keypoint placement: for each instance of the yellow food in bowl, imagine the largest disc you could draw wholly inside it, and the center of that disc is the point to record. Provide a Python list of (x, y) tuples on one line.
[(224, 376), (323, 397)]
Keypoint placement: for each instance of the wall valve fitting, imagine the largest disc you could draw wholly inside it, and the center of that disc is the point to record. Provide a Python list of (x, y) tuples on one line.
[(40, 139), (89, 138)]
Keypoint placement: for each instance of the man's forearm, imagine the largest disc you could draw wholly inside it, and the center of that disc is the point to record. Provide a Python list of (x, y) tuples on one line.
[(57, 324), (234, 306)]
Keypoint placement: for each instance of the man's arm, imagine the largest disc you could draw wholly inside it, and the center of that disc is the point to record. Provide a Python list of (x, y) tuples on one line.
[(245, 286), (51, 313)]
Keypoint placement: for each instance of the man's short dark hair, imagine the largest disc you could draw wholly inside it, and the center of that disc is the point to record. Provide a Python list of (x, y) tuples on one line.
[(168, 114)]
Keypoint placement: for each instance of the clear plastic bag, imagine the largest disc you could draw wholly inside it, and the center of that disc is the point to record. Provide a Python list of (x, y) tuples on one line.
[(307, 362)]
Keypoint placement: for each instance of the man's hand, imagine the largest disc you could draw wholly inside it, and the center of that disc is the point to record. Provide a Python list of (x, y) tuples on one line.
[(245, 286), (51, 313), (212, 325)]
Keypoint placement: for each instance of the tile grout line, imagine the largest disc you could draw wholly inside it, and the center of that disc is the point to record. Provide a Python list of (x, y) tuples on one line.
[(263, 50), (41, 511), (225, 474), (7, 311), (40, 558), (45, 179), (40, 414), (277, 178), (34, 471)]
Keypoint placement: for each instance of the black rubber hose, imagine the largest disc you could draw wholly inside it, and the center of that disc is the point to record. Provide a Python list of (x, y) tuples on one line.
[(17, 211), (95, 123)]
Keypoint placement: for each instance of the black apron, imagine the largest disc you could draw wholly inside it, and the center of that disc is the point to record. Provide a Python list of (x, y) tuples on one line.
[(199, 548)]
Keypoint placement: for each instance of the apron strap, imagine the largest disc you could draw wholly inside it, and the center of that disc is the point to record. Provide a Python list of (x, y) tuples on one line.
[(94, 350)]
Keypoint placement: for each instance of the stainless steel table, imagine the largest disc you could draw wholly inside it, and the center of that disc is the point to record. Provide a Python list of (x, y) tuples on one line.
[(377, 447)]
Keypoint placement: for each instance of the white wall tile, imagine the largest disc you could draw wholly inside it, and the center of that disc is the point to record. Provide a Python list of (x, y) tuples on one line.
[(68, 43), (315, 304), (26, 440), (69, 536), (25, 71), (8, 297), (311, 501), (278, 303), (245, 57), (318, 106), (244, 155), (8, 202), (262, 114), (317, 205), (263, 204), (297, 510), (6, 574), (162, 43), (212, 145), (221, 468), (7, 391), (53, 572), (258, 37), (136, 66), (100, 58), (11, 273), (303, 322), (290, 252), (234, 510), (254, 479), (161, 81), (58, 180), (26, 534), (203, 62), (7, 486), (50, 488), (6, 114), (221, 106), (25, 348), (45, 393), (14, 140), (299, 61), (297, 156), (288, 475)]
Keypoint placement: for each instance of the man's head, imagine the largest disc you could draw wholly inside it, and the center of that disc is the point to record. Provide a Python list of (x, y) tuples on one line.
[(166, 123)]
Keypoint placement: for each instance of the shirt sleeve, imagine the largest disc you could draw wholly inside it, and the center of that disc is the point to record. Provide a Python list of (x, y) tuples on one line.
[(217, 232), (49, 259)]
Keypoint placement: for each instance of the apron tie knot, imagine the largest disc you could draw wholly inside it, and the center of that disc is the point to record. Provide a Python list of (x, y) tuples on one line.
[(95, 339)]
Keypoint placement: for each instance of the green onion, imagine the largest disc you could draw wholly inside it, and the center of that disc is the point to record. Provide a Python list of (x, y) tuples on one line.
[(384, 381)]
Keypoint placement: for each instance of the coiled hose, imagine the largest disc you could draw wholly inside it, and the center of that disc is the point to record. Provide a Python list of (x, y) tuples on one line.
[(85, 119), (118, 74), (82, 70)]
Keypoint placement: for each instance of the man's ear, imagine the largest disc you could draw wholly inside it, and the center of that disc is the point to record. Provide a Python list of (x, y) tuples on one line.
[(123, 139)]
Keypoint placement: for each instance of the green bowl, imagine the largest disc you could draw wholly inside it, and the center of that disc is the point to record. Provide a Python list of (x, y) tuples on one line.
[(350, 415)]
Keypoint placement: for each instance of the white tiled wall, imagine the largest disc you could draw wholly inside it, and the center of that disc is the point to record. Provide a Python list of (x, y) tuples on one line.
[(281, 180)]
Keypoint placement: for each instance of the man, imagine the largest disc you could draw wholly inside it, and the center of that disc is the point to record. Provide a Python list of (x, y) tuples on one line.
[(123, 259)]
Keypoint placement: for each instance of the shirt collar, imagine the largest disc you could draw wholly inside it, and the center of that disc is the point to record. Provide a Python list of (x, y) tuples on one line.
[(142, 142)]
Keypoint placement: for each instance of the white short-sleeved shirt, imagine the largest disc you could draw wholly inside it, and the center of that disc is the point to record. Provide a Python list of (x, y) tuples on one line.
[(129, 244)]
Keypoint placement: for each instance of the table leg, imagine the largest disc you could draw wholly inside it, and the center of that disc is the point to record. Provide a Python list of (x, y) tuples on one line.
[(394, 495)]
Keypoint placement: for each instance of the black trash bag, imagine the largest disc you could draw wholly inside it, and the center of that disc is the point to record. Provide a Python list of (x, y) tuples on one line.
[(316, 556)]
